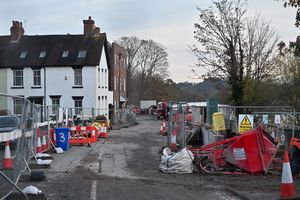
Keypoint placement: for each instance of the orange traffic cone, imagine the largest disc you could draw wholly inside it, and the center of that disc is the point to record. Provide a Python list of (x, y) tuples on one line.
[(287, 188), (7, 157), (44, 143), (161, 130), (103, 132), (94, 138), (39, 148)]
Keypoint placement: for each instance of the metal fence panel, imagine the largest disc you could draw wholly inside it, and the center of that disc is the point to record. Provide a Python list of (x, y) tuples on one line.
[(17, 141)]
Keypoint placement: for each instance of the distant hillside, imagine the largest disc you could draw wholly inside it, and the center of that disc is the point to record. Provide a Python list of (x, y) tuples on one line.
[(209, 88)]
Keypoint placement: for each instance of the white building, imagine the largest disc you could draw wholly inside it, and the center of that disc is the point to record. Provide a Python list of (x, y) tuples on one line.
[(59, 70)]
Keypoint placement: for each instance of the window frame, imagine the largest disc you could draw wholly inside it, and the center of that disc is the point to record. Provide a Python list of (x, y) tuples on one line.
[(54, 104), (78, 77), (18, 80), (78, 105), (23, 54), (82, 53), (42, 54), (36, 78), (65, 54), (17, 106)]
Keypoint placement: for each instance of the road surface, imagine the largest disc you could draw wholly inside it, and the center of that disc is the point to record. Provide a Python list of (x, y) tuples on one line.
[(129, 170)]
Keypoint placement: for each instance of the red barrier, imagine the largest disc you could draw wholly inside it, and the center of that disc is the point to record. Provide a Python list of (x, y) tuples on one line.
[(81, 135)]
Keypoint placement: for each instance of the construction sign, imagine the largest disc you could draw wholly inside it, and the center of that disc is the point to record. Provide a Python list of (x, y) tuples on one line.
[(218, 121), (245, 123)]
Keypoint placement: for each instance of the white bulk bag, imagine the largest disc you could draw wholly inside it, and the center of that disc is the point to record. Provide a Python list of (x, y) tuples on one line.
[(180, 162)]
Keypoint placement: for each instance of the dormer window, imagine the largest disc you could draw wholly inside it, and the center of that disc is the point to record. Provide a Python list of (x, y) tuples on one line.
[(23, 54), (42, 54), (82, 54), (65, 54)]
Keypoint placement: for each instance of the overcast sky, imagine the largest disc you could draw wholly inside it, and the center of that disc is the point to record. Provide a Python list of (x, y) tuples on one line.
[(169, 22)]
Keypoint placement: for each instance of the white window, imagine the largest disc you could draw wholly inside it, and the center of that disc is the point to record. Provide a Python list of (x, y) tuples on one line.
[(115, 83), (42, 54), (105, 77), (105, 106), (17, 106), (78, 105), (78, 77), (36, 77), (102, 78), (23, 54), (65, 54), (17, 78), (99, 78), (55, 104), (82, 54)]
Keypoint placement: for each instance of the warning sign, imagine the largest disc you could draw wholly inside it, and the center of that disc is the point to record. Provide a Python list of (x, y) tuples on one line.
[(218, 121), (245, 123)]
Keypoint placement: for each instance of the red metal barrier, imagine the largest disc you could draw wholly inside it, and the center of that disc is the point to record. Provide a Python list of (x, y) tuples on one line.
[(81, 135), (252, 152)]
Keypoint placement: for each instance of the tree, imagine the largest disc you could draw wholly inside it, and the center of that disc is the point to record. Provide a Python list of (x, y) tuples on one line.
[(153, 63), (132, 46), (147, 63), (234, 47)]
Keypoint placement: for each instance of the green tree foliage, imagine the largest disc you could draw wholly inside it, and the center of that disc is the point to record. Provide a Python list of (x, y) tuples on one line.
[(233, 47)]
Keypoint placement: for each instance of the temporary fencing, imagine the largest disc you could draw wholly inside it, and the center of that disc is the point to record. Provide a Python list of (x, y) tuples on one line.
[(196, 126), (213, 123), (17, 141)]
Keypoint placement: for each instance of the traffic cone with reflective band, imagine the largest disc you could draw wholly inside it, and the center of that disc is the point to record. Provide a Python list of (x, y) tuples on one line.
[(173, 144), (44, 142), (287, 188), (94, 138), (103, 131), (7, 164), (161, 130), (39, 148)]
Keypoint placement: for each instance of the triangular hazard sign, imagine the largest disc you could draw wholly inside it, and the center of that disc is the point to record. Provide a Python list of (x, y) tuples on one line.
[(246, 121)]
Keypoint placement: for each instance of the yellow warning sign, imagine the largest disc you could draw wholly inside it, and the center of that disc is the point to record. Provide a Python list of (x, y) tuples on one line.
[(218, 121), (245, 123)]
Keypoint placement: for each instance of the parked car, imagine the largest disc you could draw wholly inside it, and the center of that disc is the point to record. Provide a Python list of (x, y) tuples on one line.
[(8, 123)]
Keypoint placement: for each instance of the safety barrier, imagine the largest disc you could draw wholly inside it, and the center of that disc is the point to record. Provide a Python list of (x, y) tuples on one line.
[(199, 125), (81, 135), (17, 143)]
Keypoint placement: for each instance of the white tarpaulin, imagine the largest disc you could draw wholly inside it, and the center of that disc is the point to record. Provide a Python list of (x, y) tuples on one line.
[(180, 162)]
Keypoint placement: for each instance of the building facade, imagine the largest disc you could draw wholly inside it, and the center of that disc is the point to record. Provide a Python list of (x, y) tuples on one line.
[(59, 70), (118, 75)]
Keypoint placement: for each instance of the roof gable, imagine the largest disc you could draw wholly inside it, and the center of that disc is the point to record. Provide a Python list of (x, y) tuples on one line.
[(54, 46)]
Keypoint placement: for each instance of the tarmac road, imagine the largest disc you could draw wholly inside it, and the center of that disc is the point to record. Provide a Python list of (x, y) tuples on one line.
[(129, 170)]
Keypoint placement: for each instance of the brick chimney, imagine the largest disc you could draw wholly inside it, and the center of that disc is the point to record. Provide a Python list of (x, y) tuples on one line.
[(16, 30), (88, 26)]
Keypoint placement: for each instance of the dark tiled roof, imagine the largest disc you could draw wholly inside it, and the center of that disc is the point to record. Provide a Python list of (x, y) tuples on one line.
[(53, 45)]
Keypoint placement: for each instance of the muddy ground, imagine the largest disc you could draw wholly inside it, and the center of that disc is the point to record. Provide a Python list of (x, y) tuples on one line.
[(129, 170)]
